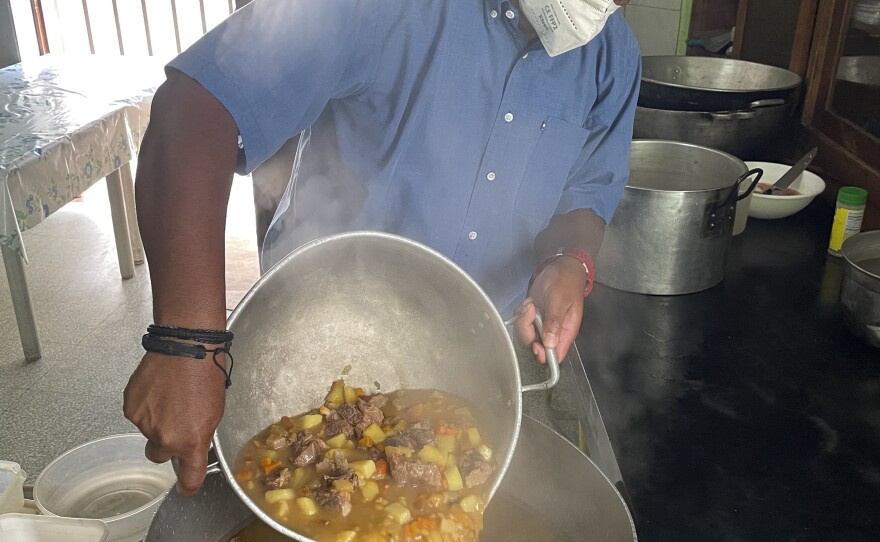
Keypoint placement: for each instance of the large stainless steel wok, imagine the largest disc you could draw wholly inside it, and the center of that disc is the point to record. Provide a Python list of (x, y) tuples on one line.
[(398, 313), (552, 492)]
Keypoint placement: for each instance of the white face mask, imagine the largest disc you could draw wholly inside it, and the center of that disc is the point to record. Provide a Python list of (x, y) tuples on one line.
[(564, 25)]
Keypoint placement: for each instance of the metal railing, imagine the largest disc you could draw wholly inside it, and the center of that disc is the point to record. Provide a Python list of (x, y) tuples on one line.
[(152, 27)]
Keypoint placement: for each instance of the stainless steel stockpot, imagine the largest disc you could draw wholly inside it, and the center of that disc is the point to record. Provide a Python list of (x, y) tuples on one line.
[(860, 289), (673, 225), (552, 491), (398, 313)]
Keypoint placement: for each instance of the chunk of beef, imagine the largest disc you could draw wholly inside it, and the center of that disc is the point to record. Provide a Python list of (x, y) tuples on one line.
[(273, 442), (474, 469), (276, 479), (348, 413), (400, 440), (334, 500), (421, 436), (371, 412), (409, 471), (308, 455), (306, 448), (335, 467), (338, 427)]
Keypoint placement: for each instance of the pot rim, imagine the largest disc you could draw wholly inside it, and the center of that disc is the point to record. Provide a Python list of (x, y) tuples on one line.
[(671, 143), (848, 257), (797, 80)]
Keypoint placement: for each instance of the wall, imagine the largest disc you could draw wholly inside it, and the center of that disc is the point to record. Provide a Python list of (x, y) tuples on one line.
[(656, 24), (8, 44)]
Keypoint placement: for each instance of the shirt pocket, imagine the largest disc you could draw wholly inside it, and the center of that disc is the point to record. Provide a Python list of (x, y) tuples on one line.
[(545, 176)]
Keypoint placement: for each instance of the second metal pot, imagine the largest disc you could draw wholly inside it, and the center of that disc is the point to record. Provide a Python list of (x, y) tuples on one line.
[(673, 225), (860, 289), (746, 134)]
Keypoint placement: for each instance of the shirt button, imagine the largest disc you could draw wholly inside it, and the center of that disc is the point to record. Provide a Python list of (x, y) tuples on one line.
[(508, 117), (491, 175), (509, 14), (472, 235), (525, 56), (493, 13)]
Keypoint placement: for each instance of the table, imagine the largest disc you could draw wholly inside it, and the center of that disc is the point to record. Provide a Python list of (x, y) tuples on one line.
[(65, 123), (747, 411)]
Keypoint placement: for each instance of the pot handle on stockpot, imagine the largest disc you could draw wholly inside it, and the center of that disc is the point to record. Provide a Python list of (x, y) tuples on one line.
[(757, 172), (552, 360)]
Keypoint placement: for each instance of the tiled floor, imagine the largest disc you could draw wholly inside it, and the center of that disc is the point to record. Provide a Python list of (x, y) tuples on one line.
[(90, 323)]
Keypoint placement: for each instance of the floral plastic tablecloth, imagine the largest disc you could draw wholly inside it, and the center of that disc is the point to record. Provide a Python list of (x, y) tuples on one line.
[(65, 123)]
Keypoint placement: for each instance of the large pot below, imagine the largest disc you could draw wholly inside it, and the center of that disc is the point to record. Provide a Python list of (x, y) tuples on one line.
[(746, 134), (673, 225), (552, 491)]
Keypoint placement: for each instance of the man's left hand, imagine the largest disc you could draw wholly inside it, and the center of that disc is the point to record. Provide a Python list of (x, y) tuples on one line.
[(558, 294)]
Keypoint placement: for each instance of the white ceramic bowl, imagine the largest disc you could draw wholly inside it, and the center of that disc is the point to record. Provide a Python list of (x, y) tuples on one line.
[(808, 184), (107, 479)]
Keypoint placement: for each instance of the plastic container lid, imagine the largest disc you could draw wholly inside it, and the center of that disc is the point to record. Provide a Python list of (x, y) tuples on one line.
[(11, 492), (29, 528), (852, 195)]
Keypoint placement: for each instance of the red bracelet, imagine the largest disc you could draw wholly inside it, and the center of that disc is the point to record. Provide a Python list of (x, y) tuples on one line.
[(576, 253)]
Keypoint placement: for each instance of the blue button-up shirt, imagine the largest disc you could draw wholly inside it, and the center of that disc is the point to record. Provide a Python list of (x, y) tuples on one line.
[(431, 119)]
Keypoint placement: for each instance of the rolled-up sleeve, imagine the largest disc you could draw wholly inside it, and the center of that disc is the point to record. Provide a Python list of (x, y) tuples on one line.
[(599, 175), (275, 64)]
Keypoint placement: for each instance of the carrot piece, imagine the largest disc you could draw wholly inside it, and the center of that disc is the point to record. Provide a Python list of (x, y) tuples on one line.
[(287, 422), (412, 529), (268, 465), (244, 475), (428, 523), (366, 442), (446, 430), (381, 467), (359, 392)]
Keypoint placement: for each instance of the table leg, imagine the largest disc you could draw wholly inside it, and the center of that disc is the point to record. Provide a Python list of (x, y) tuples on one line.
[(137, 246), (21, 304), (120, 225)]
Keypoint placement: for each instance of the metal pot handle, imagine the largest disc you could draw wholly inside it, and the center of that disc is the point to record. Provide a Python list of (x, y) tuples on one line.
[(758, 172), (769, 102), (213, 463), (552, 360), (745, 113)]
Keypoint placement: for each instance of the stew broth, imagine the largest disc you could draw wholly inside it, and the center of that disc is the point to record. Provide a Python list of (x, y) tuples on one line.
[(404, 467)]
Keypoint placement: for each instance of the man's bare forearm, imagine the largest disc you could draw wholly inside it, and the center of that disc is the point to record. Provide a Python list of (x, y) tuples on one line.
[(184, 175), (581, 228)]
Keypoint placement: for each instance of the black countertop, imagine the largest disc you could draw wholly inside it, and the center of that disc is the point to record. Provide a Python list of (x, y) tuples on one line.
[(747, 411)]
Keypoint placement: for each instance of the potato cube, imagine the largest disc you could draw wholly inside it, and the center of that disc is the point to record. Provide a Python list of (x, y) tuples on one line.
[(485, 452), (282, 509), (365, 469), (474, 437), (337, 441), (369, 490), (398, 513), (276, 495), (432, 454), (342, 485), (470, 504), (346, 536), (375, 433), (309, 421), (336, 395), (300, 477), (350, 395), (398, 450), (446, 443), (453, 478), (307, 506)]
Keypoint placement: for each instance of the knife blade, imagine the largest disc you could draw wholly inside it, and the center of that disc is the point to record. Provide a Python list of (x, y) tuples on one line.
[(794, 172)]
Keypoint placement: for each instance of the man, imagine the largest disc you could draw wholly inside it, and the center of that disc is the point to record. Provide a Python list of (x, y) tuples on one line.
[(445, 121)]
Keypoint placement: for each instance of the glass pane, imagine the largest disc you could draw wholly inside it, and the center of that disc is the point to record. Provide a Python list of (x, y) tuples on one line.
[(857, 90)]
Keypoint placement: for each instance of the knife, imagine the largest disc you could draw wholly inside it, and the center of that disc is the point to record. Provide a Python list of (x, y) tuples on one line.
[(794, 172)]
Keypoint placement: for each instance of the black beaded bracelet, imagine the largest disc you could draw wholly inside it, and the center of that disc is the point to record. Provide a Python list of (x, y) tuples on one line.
[(160, 342), (208, 336)]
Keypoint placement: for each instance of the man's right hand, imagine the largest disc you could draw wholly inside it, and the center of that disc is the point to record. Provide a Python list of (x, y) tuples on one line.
[(177, 403)]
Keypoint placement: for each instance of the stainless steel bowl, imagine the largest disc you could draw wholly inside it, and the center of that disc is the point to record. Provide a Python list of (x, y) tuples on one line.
[(860, 289), (398, 313)]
